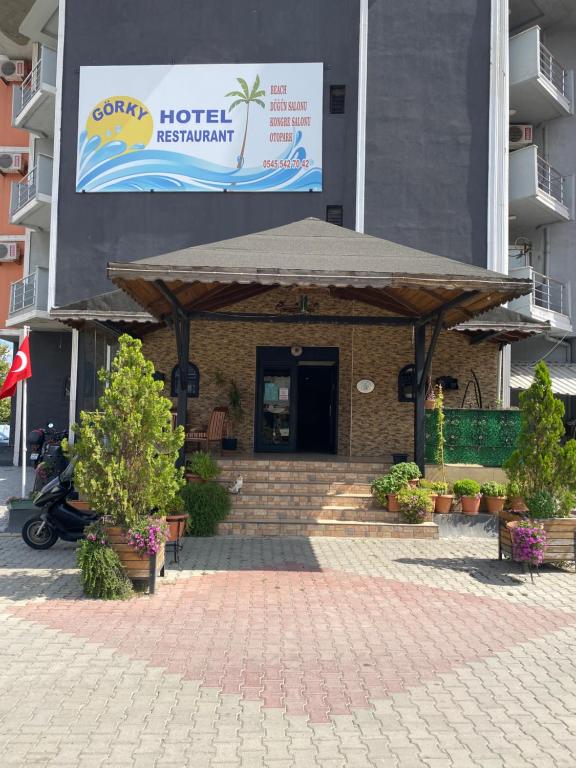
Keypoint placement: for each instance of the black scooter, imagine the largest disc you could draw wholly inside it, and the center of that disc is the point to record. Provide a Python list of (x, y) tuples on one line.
[(57, 520)]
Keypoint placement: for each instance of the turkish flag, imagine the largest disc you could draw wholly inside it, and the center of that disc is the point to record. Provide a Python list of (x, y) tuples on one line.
[(21, 369)]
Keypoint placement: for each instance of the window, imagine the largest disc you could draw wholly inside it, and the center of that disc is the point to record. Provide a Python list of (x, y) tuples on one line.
[(337, 99)]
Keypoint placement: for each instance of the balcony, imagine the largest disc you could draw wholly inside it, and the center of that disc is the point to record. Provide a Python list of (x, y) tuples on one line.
[(29, 297), (548, 302), (540, 88), (33, 101), (538, 194), (32, 197)]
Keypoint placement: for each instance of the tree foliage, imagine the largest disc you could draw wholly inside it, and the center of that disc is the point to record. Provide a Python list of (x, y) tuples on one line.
[(127, 449), (540, 461)]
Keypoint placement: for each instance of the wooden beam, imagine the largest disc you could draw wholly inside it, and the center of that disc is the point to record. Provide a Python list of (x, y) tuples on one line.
[(375, 298), (247, 317), (452, 304)]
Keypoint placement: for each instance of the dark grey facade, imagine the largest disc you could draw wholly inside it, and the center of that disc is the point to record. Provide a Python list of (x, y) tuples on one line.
[(427, 125), (49, 386), (427, 118)]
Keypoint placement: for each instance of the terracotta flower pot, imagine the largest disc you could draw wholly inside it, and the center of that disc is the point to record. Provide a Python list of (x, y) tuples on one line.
[(494, 504), (77, 504), (429, 405), (176, 526), (470, 505), (393, 505), (443, 503), (192, 478)]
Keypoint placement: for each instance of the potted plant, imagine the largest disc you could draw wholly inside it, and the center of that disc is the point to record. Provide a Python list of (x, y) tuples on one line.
[(127, 452), (442, 497), (495, 496), (514, 498), (201, 468), (529, 541), (407, 471), (469, 494), (415, 504), (235, 410), (430, 400), (386, 488)]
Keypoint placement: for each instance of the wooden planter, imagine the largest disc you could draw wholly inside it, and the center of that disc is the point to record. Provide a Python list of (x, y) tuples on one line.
[(137, 566), (560, 535)]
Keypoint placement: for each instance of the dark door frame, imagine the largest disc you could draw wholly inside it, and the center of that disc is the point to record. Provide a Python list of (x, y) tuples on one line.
[(283, 358)]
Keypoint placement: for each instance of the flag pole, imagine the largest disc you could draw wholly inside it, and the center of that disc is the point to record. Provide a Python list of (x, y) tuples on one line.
[(24, 420)]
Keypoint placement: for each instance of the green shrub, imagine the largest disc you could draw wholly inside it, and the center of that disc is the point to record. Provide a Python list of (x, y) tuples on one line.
[(493, 489), (415, 504), (466, 488), (206, 505), (441, 488), (542, 505), (101, 571), (203, 465), (406, 470), (386, 484)]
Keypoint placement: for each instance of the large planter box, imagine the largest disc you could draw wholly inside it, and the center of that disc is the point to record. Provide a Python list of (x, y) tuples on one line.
[(560, 533), (19, 512), (137, 566)]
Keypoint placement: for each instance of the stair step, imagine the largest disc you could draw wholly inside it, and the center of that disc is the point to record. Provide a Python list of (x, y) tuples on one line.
[(313, 513), (301, 501), (327, 527)]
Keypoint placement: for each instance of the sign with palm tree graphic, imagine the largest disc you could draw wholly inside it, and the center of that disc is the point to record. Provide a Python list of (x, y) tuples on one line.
[(200, 128), (246, 96)]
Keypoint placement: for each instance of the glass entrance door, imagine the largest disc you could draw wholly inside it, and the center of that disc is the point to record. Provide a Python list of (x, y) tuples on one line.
[(276, 430)]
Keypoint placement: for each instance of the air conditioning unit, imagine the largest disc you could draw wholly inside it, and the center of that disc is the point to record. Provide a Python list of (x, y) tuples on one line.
[(11, 162), (12, 70), (9, 251), (520, 136)]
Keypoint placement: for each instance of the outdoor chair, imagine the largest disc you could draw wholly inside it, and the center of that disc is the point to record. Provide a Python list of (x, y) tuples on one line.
[(213, 434)]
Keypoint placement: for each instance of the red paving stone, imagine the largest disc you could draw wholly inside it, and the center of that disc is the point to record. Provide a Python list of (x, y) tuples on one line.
[(312, 643)]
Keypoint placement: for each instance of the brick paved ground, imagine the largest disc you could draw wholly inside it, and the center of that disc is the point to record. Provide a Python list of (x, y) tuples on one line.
[(288, 652)]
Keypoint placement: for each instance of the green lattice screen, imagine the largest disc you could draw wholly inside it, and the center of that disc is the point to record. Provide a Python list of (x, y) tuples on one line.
[(474, 436)]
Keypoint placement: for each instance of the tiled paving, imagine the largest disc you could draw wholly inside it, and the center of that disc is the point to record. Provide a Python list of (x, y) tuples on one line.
[(291, 652)]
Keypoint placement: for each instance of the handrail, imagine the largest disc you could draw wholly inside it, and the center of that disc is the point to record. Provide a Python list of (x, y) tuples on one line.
[(30, 85), (547, 292), (23, 293), (23, 191), (551, 181), (553, 71)]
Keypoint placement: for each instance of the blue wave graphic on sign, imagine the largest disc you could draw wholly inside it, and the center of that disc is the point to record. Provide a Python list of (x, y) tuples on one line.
[(114, 167)]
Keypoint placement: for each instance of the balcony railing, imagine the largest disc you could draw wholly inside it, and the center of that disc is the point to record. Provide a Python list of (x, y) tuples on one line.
[(29, 87), (548, 293), (553, 71), (37, 184), (551, 181), (30, 292), (24, 191)]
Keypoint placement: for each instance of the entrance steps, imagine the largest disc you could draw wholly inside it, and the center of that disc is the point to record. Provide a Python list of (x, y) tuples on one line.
[(296, 497)]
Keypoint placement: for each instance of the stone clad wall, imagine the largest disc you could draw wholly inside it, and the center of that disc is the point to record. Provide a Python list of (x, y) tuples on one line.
[(375, 424)]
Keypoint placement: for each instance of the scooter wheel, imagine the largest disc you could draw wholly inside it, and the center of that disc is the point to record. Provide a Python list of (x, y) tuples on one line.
[(38, 534)]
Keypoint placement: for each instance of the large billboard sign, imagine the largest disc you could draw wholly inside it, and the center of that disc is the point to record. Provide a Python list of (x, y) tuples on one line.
[(200, 128)]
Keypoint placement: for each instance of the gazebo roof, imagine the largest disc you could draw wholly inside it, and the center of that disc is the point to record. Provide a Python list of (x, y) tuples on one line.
[(311, 253), (105, 307)]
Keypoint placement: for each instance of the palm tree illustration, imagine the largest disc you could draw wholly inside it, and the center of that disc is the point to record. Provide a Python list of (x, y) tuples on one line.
[(246, 96)]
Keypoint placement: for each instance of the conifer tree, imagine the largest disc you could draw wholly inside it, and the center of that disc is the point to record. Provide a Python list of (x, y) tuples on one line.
[(540, 461), (127, 449)]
